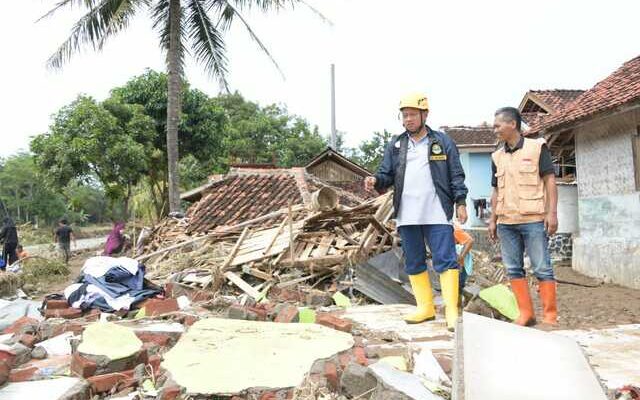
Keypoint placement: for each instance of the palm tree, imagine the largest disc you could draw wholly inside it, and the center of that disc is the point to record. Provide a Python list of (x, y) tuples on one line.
[(198, 24)]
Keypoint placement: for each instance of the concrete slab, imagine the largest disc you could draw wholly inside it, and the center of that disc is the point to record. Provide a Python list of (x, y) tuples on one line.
[(614, 353), (50, 389), (386, 321), (506, 361), (225, 356), (59, 345), (110, 340)]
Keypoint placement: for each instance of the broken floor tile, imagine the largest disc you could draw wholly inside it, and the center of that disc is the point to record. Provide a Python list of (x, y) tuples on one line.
[(224, 356)]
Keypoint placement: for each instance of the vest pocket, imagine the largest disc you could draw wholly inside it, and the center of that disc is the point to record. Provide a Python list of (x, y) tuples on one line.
[(500, 176), (531, 203), (528, 175)]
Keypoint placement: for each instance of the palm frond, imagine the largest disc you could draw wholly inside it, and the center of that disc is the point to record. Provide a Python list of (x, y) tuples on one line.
[(207, 41), (228, 12), (101, 22), (71, 3)]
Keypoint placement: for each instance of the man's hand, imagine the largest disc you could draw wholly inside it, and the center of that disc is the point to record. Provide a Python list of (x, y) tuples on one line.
[(551, 223), (461, 212), (493, 230), (369, 182), (461, 261)]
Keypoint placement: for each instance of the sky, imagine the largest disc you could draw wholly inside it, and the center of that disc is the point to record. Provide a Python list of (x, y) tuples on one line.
[(469, 57)]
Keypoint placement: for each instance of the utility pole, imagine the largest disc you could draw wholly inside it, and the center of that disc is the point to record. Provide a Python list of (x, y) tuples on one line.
[(333, 107)]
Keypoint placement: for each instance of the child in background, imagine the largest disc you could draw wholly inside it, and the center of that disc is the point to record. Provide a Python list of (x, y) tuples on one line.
[(464, 243), (22, 253)]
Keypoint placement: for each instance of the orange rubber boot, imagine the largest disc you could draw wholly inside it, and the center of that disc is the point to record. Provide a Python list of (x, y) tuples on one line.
[(520, 288)]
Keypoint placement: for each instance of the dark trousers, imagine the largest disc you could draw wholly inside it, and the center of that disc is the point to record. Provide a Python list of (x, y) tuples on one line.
[(9, 253)]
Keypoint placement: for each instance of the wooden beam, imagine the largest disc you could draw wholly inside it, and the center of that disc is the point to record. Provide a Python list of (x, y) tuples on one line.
[(244, 286), (234, 250)]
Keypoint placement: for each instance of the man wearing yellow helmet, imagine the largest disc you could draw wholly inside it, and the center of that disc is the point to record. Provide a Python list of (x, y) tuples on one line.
[(423, 166)]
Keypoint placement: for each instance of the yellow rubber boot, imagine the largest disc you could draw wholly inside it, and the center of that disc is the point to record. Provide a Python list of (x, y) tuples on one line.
[(449, 282), (424, 299)]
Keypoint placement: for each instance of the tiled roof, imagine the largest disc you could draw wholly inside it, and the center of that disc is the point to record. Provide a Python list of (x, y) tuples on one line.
[(557, 98), (242, 197), (620, 88), (532, 118), (250, 193), (471, 135)]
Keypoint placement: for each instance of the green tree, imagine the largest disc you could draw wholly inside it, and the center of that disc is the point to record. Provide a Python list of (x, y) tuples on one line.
[(370, 152), (198, 24), (200, 133), (257, 134), (27, 197), (88, 140)]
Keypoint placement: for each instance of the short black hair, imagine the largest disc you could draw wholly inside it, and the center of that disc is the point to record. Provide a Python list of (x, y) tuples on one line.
[(63, 221), (510, 114)]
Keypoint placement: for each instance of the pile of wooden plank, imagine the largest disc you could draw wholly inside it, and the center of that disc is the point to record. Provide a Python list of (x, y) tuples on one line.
[(303, 246)]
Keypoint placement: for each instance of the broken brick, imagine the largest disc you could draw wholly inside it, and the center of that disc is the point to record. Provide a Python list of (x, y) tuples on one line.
[(170, 393), (154, 307), (66, 313), (22, 374), (27, 340), (344, 359), (4, 372), (21, 322), (57, 304), (334, 322), (161, 339), (361, 356), (331, 374), (104, 383), (287, 314), (82, 367), (189, 320), (8, 357)]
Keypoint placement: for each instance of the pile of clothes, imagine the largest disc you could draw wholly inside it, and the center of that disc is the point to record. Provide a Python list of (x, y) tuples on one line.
[(110, 284)]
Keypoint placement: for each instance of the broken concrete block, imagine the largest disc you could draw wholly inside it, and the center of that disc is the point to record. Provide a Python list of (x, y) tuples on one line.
[(22, 353), (109, 340), (58, 388), (403, 382), (318, 298), (57, 304), (58, 345), (39, 353), (356, 381), (79, 391), (426, 366), (387, 350)]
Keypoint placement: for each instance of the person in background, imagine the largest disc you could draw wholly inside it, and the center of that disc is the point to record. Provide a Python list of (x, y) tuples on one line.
[(115, 240), (22, 253), (464, 243), (9, 236), (63, 236)]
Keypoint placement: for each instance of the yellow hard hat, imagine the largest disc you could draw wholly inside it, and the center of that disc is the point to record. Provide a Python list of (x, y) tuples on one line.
[(415, 100)]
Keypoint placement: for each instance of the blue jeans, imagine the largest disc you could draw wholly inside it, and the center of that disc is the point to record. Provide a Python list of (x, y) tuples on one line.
[(440, 240), (513, 241)]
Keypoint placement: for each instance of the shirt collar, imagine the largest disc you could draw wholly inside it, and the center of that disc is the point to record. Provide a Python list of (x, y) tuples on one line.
[(518, 146)]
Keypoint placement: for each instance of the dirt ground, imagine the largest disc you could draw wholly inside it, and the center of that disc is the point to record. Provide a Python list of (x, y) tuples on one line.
[(605, 305), (583, 302)]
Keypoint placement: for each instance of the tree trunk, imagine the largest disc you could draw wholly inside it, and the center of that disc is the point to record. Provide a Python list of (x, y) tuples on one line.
[(174, 106)]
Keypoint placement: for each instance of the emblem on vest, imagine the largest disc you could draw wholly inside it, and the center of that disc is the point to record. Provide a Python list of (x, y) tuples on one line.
[(436, 153)]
